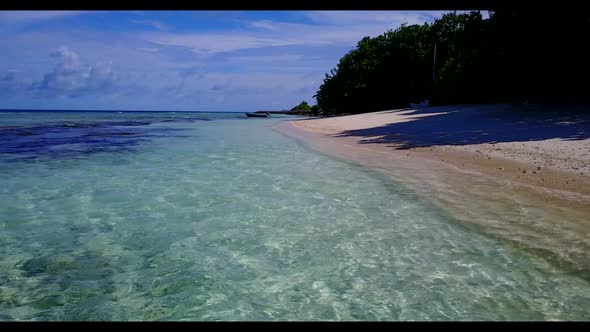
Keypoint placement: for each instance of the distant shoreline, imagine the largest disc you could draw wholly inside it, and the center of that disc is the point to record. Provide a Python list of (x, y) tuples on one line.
[(107, 111), (284, 112)]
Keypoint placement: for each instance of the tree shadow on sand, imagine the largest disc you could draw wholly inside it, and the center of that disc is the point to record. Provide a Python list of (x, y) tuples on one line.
[(462, 125)]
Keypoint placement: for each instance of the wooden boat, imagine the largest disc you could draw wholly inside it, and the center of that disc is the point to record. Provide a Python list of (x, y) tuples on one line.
[(258, 115)]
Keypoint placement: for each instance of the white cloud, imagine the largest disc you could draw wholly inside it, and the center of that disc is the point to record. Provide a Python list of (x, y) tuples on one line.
[(154, 24), (71, 77), (348, 18), (264, 24), (294, 34), (329, 28), (278, 45), (259, 59), (207, 43)]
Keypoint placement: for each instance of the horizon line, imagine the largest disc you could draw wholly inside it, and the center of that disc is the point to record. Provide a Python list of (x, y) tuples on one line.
[(109, 111)]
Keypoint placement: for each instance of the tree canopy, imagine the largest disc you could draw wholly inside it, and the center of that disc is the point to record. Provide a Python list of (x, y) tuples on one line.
[(303, 106), (509, 57)]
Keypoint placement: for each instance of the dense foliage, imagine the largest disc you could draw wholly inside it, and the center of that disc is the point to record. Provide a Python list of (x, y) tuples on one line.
[(510, 57), (303, 106)]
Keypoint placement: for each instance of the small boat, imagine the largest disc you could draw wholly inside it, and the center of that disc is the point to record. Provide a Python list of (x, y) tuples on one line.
[(258, 115)]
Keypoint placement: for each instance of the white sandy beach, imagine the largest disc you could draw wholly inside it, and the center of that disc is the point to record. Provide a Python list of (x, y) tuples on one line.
[(520, 173), (530, 145)]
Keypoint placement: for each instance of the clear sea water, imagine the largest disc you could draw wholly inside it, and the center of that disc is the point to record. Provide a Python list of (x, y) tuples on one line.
[(214, 216)]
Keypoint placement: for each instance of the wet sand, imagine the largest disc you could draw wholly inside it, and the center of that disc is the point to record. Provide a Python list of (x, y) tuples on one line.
[(519, 174)]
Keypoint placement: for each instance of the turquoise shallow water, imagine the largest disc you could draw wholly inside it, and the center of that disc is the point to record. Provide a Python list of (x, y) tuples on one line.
[(159, 216)]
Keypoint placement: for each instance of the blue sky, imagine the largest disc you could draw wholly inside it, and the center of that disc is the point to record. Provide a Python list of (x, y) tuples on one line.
[(178, 60)]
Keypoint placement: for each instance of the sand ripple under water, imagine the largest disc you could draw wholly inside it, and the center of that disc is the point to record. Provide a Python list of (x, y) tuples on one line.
[(229, 220)]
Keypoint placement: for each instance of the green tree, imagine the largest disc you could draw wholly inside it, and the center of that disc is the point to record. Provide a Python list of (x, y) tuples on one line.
[(303, 106), (511, 56)]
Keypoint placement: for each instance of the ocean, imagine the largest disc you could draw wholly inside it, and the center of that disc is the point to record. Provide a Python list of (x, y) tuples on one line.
[(218, 217)]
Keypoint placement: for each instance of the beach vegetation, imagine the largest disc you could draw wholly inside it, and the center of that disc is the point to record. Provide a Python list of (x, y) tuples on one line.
[(512, 56), (303, 106)]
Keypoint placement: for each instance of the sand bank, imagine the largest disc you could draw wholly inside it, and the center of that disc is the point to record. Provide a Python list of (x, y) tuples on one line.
[(519, 173)]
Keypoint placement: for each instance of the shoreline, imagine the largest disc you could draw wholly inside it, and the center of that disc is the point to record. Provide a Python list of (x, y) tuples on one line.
[(539, 210), (546, 165)]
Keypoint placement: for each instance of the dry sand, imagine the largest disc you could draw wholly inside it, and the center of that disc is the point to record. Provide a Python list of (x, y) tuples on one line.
[(519, 173), (540, 147)]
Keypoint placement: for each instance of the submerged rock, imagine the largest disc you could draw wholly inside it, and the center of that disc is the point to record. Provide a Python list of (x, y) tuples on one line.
[(35, 266)]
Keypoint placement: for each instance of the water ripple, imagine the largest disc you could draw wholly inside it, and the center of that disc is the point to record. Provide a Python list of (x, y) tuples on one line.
[(244, 224)]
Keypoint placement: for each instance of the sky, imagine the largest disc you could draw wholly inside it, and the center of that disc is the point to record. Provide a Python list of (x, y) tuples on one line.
[(178, 60)]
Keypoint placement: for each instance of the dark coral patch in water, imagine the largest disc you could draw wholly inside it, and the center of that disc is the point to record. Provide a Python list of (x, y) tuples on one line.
[(74, 139)]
